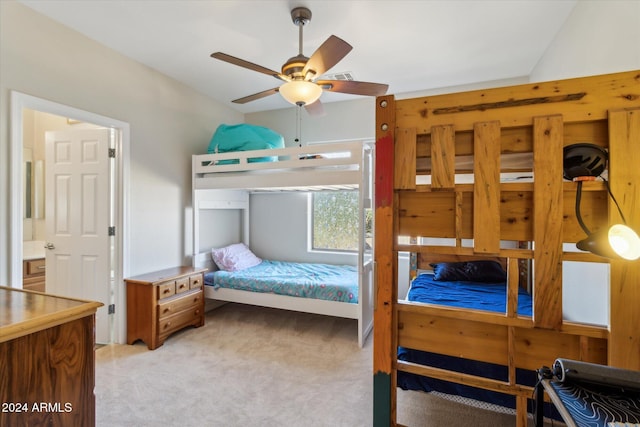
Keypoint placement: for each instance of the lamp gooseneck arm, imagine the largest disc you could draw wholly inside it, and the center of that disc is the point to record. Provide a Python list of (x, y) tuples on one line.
[(578, 215)]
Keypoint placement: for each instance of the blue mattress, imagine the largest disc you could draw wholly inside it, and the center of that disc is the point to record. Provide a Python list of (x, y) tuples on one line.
[(304, 280), (472, 295)]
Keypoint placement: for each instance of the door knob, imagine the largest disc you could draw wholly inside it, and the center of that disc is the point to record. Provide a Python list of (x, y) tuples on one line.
[(49, 246)]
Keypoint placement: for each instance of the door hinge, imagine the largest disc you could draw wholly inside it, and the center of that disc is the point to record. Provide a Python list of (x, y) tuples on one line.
[(112, 231), (112, 308), (112, 153)]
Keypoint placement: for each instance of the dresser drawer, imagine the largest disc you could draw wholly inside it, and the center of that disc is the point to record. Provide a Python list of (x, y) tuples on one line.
[(179, 320), (195, 281), (178, 303), (166, 289), (182, 285)]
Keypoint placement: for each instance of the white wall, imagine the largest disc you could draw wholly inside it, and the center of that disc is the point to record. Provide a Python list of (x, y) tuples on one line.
[(599, 37), (168, 120), (347, 120)]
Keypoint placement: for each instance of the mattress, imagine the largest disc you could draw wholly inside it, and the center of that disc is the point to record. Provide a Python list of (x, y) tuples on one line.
[(472, 295), (304, 280), (463, 294)]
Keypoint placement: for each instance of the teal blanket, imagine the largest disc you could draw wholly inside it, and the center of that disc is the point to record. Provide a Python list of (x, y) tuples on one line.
[(244, 137), (319, 281)]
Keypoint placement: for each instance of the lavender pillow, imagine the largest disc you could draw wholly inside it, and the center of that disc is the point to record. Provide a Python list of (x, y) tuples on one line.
[(234, 257)]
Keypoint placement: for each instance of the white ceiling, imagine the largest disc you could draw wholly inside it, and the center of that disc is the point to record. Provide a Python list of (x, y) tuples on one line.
[(410, 45)]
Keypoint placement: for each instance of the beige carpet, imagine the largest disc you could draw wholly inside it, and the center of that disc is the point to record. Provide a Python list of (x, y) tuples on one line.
[(252, 366)]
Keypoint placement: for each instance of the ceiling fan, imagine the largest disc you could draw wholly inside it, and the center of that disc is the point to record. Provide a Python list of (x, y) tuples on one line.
[(300, 73)]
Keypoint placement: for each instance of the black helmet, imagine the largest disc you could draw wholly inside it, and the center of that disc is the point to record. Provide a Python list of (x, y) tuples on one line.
[(583, 159)]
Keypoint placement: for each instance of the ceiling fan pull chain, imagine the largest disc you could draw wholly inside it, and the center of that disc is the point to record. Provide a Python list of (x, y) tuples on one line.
[(298, 125)]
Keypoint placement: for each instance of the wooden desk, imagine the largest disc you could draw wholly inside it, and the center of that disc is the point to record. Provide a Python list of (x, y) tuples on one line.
[(47, 363)]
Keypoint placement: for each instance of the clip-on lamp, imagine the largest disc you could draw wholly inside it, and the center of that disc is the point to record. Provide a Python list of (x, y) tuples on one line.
[(585, 162)]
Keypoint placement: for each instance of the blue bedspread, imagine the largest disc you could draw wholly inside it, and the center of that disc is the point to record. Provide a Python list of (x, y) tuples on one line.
[(318, 281), (479, 296)]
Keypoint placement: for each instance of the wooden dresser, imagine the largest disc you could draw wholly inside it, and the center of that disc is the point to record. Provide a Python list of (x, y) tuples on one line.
[(164, 302), (47, 362)]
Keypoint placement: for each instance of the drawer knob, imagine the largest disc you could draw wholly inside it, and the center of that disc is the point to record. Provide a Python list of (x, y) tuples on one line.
[(166, 291), (167, 325)]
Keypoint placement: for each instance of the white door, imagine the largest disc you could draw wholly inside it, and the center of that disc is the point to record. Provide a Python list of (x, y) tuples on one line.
[(77, 212)]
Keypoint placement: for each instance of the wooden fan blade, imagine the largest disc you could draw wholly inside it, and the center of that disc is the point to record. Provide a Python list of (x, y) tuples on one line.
[(256, 96), (315, 109), (250, 65), (354, 87), (326, 56)]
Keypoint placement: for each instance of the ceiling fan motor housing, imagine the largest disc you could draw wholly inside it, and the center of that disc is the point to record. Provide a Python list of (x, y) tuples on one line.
[(300, 16), (294, 66)]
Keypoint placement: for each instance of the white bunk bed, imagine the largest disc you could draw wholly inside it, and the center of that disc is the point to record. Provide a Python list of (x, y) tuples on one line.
[(218, 184)]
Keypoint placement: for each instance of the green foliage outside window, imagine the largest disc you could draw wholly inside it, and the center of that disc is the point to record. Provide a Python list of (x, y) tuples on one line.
[(336, 219)]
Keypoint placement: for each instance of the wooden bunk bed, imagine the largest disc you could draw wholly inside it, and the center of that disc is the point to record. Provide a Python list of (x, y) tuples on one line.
[(424, 136), (225, 181)]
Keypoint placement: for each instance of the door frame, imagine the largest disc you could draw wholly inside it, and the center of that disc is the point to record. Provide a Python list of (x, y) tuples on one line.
[(20, 101)]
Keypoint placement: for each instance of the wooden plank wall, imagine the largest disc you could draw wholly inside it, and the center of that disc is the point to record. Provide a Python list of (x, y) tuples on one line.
[(486, 191), (537, 117), (405, 156), (443, 156), (384, 384), (578, 100), (547, 226), (624, 176)]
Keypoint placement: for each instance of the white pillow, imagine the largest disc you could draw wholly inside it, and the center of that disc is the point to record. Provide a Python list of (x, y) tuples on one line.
[(234, 257)]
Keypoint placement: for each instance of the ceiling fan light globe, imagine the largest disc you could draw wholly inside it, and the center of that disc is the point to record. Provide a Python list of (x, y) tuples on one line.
[(300, 92)]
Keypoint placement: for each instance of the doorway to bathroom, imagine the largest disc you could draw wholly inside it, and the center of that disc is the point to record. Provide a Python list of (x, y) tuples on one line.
[(77, 204)]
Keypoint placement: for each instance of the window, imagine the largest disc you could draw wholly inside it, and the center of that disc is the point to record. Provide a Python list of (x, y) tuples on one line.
[(334, 218)]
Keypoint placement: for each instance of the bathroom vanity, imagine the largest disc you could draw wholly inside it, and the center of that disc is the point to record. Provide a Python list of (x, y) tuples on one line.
[(33, 266)]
